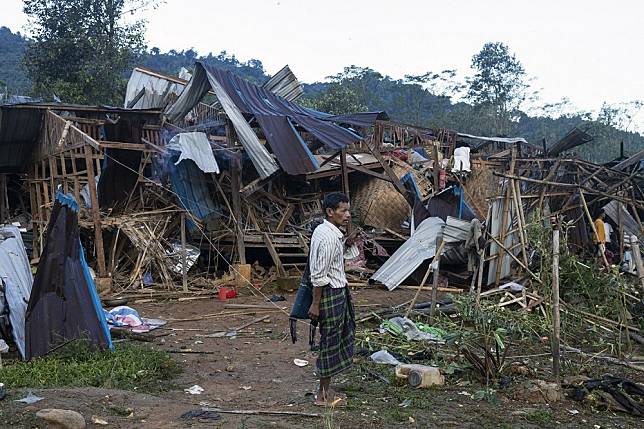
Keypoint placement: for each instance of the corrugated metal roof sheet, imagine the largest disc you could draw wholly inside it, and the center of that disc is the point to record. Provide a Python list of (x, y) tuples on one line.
[(276, 116), (495, 139), (456, 230), (574, 138), (418, 248), (19, 131), (20, 126), (630, 225), (639, 156), (285, 84)]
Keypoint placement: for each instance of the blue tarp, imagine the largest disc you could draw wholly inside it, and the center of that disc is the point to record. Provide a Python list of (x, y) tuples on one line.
[(190, 184), (64, 305)]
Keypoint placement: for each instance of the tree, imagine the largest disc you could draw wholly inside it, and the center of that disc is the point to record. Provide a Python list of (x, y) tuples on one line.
[(12, 73), (336, 99), (498, 83), (619, 115), (82, 49), (443, 84)]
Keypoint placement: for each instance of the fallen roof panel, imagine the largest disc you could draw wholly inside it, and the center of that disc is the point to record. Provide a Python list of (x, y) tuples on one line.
[(418, 248), (572, 139), (275, 115)]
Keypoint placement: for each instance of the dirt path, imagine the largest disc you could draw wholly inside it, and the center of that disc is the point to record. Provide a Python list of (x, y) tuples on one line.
[(255, 370)]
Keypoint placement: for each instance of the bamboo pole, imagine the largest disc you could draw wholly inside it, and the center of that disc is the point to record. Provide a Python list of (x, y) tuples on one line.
[(439, 249), (184, 254), (422, 283), (571, 185), (534, 276), (436, 266), (520, 223), (556, 320)]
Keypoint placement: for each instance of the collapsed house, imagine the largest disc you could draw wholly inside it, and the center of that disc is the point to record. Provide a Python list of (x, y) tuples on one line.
[(205, 171)]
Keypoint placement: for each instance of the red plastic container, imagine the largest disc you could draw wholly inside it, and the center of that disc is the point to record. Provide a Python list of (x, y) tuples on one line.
[(227, 293)]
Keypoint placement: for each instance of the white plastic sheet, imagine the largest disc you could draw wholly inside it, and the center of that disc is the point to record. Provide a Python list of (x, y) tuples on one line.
[(461, 159), (15, 273), (196, 147)]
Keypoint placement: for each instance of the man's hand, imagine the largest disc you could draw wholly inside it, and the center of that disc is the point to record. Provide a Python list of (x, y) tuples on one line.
[(314, 311)]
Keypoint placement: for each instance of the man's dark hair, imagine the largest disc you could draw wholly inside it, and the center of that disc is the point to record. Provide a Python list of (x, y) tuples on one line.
[(332, 201)]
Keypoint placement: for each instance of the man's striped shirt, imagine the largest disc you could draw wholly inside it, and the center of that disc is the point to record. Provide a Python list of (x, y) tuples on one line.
[(326, 260)]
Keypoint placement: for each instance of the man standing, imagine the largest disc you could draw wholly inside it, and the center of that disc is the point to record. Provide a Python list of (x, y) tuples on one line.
[(331, 305), (601, 234)]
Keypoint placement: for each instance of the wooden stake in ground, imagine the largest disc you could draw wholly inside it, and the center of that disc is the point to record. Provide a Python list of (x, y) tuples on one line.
[(439, 249), (184, 253), (556, 321), (436, 265), (637, 257)]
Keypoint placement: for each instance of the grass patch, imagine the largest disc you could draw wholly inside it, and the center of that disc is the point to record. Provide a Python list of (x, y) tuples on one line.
[(539, 416), (128, 367)]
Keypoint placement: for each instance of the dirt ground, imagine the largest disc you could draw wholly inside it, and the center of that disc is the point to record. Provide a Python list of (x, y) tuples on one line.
[(255, 371)]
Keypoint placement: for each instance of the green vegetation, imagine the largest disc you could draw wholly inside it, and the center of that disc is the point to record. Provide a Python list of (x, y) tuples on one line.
[(82, 49), (540, 415), (76, 365), (94, 69), (13, 79)]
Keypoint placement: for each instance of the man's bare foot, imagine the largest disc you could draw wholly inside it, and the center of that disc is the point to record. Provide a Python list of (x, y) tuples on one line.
[(330, 398)]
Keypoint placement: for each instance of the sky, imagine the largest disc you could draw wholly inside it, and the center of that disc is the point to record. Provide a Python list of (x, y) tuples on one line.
[(587, 50)]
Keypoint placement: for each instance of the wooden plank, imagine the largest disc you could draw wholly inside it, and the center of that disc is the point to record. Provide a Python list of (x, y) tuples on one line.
[(274, 255), (285, 218), (96, 214), (124, 146), (39, 210), (388, 170), (369, 172), (256, 184)]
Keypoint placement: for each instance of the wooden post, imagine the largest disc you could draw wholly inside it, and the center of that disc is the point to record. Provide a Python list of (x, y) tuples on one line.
[(422, 283), (184, 253), (556, 321), (96, 214), (436, 168), (4, 207), (637, 216), (439, 250), (345, 172), (436, 268), (637, 257), (235, 178), (479, 280), (620, 231), (520, 224), (345, 179)]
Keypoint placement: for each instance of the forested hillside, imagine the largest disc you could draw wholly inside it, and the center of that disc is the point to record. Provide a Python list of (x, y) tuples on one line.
[(423, 100), (12, 73)]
